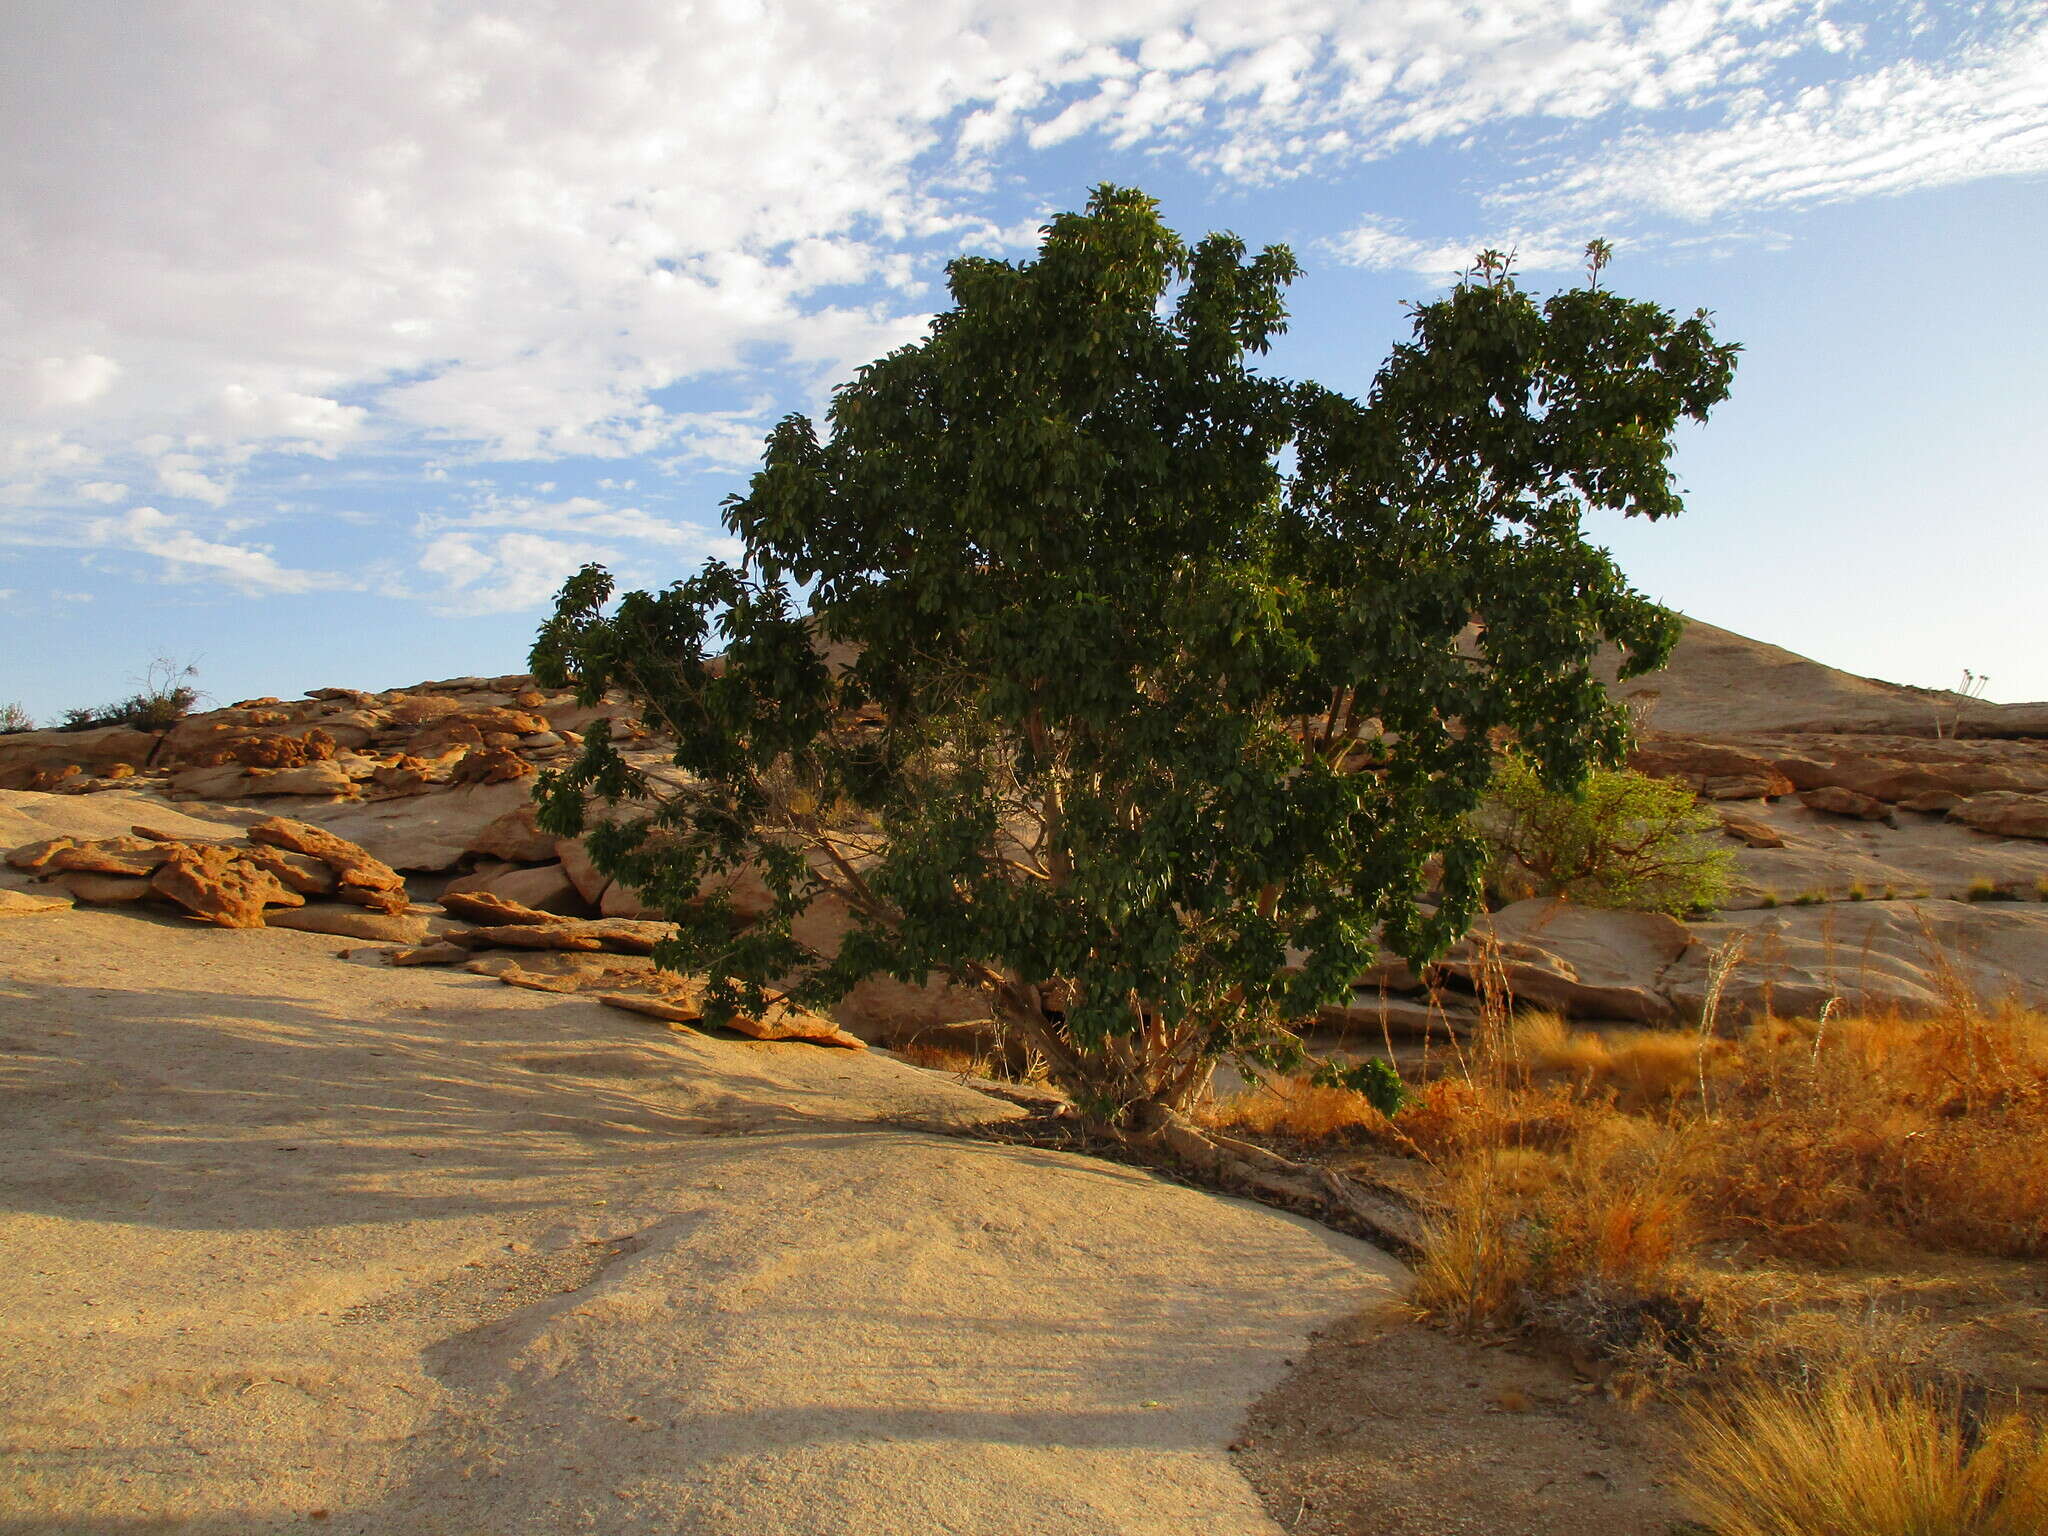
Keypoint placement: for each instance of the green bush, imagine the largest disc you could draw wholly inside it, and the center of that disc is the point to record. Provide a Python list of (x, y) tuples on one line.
[(1625, 841), (165, 699)]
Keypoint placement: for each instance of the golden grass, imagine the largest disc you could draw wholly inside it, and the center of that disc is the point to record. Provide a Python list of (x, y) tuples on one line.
[(944, 1058), (1856, 1458), (1297, 1110)]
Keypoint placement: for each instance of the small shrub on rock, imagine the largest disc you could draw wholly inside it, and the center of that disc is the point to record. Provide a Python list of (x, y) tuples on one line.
[(1625, 840)]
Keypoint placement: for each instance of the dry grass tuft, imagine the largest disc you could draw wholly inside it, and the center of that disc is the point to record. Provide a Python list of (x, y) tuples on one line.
[(944, 1058), (1855, 1458), (1297, 1110)]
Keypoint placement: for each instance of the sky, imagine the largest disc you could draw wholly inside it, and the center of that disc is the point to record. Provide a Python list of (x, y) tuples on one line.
[(333, 337)]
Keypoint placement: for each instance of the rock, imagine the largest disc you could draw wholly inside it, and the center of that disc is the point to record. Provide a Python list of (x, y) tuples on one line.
[(515, 837), (25, 753), (424, 832), (223, 783), (1404, 1018), (27, 903), (1747, 829), (781, 1020), (583, 874), (537, 981), (266, 750), (306, 875), (1581, 961), (114, 856), (544, 888), (102, 890), (2005, 814), (589, 970), (527, 936), (1837, 801), (1715, 770), (313, 780), (483, 907), (217, 884), (36, 857), (622, 901), (430, 954), (361, 877), (492, 765), (353, 923), (1938, 803)]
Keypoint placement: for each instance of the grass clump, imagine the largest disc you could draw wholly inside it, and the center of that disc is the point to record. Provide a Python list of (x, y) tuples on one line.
[(1853, 1457), (1585, 1177)]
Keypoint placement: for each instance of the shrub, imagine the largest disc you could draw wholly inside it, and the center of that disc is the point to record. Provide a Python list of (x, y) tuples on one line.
[(13, 719), (165, 698), (1624, 840)]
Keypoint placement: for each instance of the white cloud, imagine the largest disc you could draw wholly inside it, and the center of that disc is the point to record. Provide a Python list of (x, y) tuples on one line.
[(583, 517), (1384, 247), (106, 492), (508, 574), (252, 570), (312, 227), (1906, 126)]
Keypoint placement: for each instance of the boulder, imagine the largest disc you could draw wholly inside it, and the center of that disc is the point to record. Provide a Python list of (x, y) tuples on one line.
[(1748, 830), (353, 923), (1715, 770), (515, 837), (484, 907), (223, 783), (427, 832), (361, 878), (27, 903), (1581, 961), (781, 1020), (102, 890), (430, 954), (2005, 814), (1366, 1019), (303, 873), (544, 888), (492, 765), (1837, 801), (36, 857), (314, 780), (527, 936), (113, 856), (217, 884), (590, 970), (26, 753)]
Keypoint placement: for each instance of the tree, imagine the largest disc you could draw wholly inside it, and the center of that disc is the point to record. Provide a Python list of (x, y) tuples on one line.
[(1174, 683), (1624, 839)]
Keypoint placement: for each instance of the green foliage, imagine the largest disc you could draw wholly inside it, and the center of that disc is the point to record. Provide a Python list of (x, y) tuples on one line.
[(1374, 1078), (1154, 704), (1622, 839)]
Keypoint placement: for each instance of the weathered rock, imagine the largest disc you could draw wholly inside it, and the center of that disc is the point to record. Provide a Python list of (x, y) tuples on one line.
[(1715, 770), (609, 972), (781, 1020), (425, 832), (223, 783), (217, 884), (1747, 829), (537, 981), (575, 858), (1837, 801), (527, 936), (430, 954), (353, 923), (544, 888), (36, 857), (483, 907), (2005, 814), (1403, 1018), (515, 837), (102, 890), (28, 903), (362, 878), (265, 750), (1581, 961), (26, 753), (312, 781), (1937, 803), (306, 875), (492, 765), (113, 856)]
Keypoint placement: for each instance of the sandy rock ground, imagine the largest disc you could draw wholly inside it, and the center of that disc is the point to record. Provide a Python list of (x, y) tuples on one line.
[(298, 1245)]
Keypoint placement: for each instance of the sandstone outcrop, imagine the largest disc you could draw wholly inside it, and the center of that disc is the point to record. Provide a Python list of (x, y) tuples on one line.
[(2005, 815), (219, 885)]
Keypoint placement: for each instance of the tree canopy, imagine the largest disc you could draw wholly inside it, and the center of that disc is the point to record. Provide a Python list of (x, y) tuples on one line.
[(1172, 683)]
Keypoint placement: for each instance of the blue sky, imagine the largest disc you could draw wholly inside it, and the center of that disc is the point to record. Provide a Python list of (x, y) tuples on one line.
[(332, 337)]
